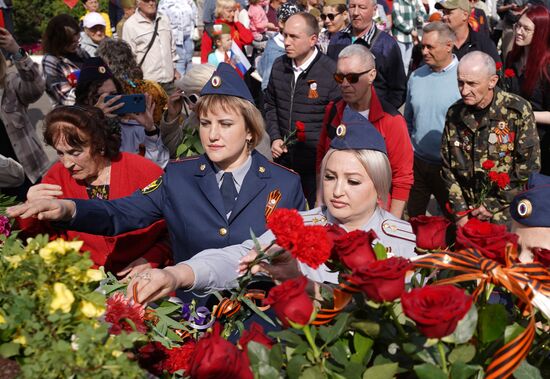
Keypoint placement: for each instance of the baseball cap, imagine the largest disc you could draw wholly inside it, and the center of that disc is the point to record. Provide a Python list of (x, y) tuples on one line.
[(92, 19)]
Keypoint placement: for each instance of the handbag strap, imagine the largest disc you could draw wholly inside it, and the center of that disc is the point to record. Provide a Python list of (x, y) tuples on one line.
[(150, 42)]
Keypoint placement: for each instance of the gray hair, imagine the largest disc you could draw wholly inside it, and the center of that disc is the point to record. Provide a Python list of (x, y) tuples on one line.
[(479, 58), (444, 31), (118, 55), (195, 78), (376, 165), (359, 51)]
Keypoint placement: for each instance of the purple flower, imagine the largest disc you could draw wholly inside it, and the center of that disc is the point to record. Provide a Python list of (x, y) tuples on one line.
[(5, 226)]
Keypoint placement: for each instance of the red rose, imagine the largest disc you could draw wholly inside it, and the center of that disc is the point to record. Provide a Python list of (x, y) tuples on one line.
[(354, 249), (436, 310), (255, 333), (286, 225), (498, 65), (215, 357), (151, 357), (489, 239), (430, 231), (300, 131), (488, 164), (509, 73), (334, 231), (542, 256), (382, 280), (179, 357), (290, 302), (314, 246)]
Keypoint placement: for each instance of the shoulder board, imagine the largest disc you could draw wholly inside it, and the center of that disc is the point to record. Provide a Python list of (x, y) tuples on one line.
[(314, 217), (398, 229), (286, 168), (185, 159)]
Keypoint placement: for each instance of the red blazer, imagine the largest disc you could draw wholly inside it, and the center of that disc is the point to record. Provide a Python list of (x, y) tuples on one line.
[(239, 33), (129, 172), (393, 128)]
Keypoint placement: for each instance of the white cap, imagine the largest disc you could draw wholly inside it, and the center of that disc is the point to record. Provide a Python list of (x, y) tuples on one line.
[(92, 19)]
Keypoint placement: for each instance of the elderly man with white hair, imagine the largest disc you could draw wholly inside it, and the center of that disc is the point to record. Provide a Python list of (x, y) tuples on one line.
[(488, 134)]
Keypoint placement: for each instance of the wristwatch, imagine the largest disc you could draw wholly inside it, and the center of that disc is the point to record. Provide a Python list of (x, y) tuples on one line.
[(19, 54), (154, 132)]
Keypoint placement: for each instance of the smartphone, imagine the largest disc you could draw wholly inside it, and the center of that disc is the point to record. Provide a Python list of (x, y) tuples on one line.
[(132, 103)]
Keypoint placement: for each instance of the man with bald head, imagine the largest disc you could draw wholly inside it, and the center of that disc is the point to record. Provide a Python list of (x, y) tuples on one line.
[(487, 124)]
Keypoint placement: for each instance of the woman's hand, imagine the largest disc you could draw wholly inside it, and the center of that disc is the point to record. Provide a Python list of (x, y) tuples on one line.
[(134, 268), (44, 191), (7, 41), (146, 118), (154, 284), (50, 210), (107, 107), (175, 105), (282, 268)]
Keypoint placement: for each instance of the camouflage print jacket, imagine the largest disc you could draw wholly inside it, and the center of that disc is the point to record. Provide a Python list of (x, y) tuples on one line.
[(505, 134)]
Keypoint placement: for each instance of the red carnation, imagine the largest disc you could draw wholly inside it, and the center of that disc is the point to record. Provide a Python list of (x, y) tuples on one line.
[(287, 226), (509, 73), (488, 164), (119, 311), (314, 246), (503, 180), (300, 131), (151, 357), (179, 358), (493, 176), (542, 256), (498, 65), (255, 333)]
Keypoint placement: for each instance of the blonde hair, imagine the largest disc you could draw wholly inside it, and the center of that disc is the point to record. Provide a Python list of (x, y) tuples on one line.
[(376, 165), (221, 4), (195, 78), (253, 119)]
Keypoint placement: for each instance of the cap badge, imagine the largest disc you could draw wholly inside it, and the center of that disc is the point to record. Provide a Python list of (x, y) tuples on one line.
[(202, 167), (341, 130), (216, 81), (261, 169), (101, 70), (525, 208)]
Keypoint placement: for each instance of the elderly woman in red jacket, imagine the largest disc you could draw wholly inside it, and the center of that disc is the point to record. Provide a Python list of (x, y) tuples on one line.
[(226, 13), (90, 166)]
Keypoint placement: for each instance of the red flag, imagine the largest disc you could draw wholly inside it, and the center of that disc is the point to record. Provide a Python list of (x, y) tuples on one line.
[(71, 3)]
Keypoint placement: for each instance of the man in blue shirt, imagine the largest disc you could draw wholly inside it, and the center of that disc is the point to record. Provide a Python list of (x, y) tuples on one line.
[(431, 90)]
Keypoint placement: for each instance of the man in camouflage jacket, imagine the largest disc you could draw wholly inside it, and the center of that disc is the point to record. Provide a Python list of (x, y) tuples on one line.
[(486, 124)]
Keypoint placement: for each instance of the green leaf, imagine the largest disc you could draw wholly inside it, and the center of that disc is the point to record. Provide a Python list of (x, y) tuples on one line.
[(294, 369), (256, 310), (465, 328), (370, 328), (288, 336), (257, 353), (9, 349), (276, 356), (527, 371), (512, 331), (462, 353), (492, 322), (339, 352), (265, 371), (461, 370), (338, 328), (362, 346), (312, 373), (428, 371), (383, 371), (380, 251)]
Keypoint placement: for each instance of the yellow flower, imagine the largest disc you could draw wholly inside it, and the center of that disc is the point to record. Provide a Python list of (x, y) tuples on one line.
[(21, 340), (14, 260), (75, 273), (63, 298), (94, 275), (91, 310), (116, 353), (59, 246), (2, 319)]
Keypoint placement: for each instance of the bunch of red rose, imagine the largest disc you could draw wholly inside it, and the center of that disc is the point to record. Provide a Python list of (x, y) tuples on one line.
[(309, 244), (501, 179)]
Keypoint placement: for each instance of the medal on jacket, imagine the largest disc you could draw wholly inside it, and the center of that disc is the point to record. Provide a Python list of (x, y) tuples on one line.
[(272, 201), (312, 94), (502, 132)]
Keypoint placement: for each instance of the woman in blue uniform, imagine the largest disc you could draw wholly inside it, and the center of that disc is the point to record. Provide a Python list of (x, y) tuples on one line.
[(355, 179), (210, 201)]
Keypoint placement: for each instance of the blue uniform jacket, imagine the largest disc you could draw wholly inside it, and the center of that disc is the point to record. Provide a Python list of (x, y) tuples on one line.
[(188, 197)]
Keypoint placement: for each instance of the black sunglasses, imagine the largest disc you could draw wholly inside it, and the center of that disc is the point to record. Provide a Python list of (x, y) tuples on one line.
[(351, 77), (330, 16)]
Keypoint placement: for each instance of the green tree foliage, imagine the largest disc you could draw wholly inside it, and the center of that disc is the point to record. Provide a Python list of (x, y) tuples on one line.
[(31, 16)]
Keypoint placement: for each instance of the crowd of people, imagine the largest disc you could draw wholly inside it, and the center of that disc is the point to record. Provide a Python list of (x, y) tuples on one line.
[(358, 113)]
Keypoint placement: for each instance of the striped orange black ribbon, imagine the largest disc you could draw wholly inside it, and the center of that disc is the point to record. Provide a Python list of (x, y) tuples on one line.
[(342, 296), (272, 201), (518, 278), (229, 307)]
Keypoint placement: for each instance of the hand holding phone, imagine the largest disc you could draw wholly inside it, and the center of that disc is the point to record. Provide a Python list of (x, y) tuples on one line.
[(131, 103)]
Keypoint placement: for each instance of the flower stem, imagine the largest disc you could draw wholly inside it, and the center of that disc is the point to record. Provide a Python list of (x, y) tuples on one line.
[(399, 327), (442, 355), (309, 338)]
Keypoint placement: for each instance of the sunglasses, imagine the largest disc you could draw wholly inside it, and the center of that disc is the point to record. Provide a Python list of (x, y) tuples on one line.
[(352, 78), (330, 16)]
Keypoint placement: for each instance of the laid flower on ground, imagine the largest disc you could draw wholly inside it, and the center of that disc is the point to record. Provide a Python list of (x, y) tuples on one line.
[(124, 316), (290, 302)]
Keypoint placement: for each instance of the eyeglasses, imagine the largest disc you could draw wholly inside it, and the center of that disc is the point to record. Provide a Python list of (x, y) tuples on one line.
[(352, 78), (527, 30), (330, 16)]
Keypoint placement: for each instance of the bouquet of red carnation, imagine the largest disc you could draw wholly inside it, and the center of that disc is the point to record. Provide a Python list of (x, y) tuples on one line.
[(505, 76)]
